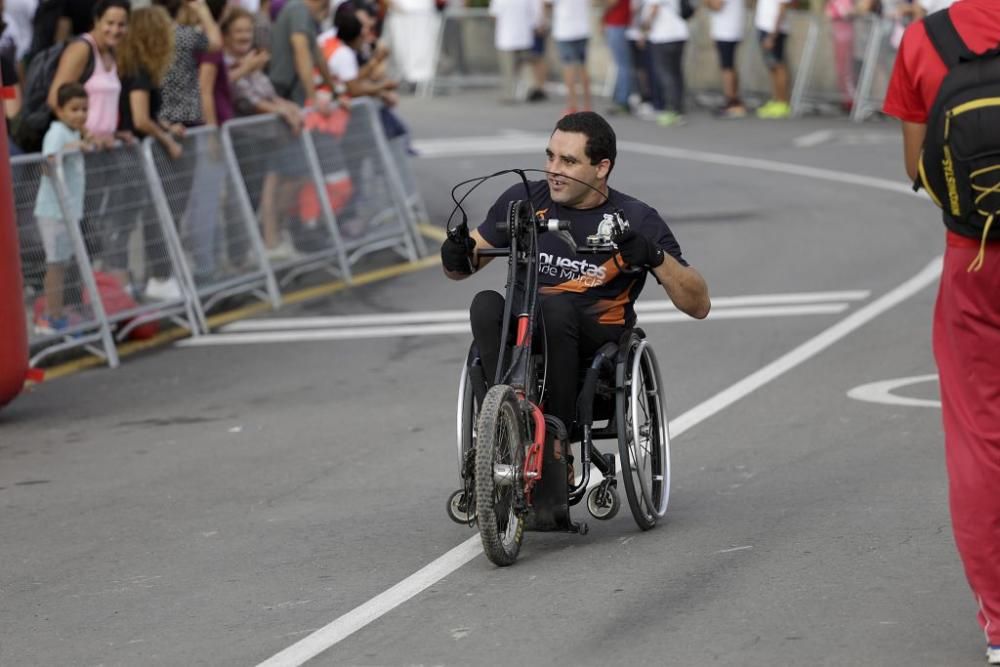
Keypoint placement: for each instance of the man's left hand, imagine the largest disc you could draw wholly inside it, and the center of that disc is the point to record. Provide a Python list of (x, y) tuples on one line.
[(639, 250)]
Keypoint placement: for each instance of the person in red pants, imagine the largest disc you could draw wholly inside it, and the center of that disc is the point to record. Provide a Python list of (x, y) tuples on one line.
[(966, 325)]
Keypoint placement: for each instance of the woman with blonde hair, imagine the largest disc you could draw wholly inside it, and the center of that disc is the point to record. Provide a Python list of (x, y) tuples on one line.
[(143, 59)]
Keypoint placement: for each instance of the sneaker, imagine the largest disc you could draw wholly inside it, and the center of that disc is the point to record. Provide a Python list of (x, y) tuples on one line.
[(282, 252), (993, 655), (163, 290), (618, 110), (669, 119), (537, 95), (646, 111), (774, 110), (732, 111), (45, 325)]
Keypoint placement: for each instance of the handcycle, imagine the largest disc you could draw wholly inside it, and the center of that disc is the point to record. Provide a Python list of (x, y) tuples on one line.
[(512, 479)]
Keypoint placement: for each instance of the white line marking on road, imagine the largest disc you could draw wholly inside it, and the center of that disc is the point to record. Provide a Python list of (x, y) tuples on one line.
[(813, 139), (354, 620), (729, 551), (770, 165), (359, 617), (810, 348), (386, 319), (285, 332), (881, 392), (493, 145)]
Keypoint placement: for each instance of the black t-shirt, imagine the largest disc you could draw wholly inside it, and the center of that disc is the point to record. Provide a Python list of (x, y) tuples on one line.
[(602, 289), (141, 81)]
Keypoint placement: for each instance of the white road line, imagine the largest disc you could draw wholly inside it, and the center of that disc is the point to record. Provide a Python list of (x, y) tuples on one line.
[(356, 619), (770, 165), (881, 392), (285, 333), (493, 145), (385, 319), (810, 348), (813, 138), (276, 324)]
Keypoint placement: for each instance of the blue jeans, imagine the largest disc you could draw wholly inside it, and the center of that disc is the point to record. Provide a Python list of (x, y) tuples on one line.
[(618, 44)]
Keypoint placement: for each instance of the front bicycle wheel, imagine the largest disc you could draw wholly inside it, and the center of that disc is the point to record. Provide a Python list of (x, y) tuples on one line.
[(643, 438), (499, 484)]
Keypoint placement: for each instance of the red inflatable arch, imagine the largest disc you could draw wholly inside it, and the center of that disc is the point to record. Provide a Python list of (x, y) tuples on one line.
[(13, 328)]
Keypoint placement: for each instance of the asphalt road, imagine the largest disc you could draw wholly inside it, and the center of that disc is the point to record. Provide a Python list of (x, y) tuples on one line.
[(216, 505)]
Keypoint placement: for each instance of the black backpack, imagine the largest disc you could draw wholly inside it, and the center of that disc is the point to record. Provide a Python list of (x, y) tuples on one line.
[(960, 163), (29, 126)]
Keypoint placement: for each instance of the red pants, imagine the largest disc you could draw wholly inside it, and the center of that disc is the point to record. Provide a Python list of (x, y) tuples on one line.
[(967, 350)]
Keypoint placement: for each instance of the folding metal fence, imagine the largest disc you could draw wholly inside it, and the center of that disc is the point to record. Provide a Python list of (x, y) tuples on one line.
[(385, 204), (57, 268), (201, 190), (131, 245), (288, 196), (135, 236), (880, 42)]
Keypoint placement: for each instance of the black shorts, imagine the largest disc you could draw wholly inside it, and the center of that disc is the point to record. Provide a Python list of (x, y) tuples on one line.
[(727, 54), (776, 55)]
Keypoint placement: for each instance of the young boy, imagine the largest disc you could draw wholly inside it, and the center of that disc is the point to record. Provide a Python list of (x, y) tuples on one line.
[(54, 219), (772, 30)]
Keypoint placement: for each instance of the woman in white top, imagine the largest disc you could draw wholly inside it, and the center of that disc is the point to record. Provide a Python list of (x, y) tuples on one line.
[(666, 33), (570, 21), (517, 26), (728, 18), (771, 21)]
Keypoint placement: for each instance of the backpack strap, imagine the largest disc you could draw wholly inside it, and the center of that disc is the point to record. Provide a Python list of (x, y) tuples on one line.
[(945, 38)]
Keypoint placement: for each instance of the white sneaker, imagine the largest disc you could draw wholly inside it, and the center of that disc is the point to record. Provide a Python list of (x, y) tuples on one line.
[(283, 251), (646, 111), (993, 655), (163, 290)]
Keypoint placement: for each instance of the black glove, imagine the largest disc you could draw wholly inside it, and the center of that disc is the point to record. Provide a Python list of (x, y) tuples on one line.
[(456, 254), (639, 251)]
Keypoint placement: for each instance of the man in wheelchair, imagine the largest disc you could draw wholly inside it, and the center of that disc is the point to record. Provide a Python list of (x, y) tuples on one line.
[(585, 300)]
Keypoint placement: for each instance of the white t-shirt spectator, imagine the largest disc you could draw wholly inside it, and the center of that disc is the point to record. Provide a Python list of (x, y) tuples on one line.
[(931, 6), (19, 16), (515, 23), (570, 20), (767, 15), (728, 22), (341, 59), (668, 26)]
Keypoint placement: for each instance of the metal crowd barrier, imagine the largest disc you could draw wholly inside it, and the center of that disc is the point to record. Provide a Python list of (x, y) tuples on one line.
[(219, 241), (460, 61), (288, 197), (35, 177), (385, 202), (160, 238), (879, 57)]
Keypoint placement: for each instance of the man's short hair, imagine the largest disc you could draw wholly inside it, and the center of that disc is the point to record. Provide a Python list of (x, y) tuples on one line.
[(348, 27), (601, 142), (69, 91)]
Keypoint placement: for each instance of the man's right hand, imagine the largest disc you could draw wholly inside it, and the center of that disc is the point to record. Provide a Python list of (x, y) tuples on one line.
[(456, 254)]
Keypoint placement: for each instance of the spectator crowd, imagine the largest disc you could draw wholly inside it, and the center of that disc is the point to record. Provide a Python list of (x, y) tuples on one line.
[(96, 74), (647, 40)]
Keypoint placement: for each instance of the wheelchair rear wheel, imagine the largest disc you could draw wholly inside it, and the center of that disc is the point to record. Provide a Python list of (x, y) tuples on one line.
[(499, 462), (643, 439)]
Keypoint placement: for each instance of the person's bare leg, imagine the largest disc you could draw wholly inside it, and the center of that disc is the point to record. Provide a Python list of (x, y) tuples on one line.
[(585, 81), (54, 281), (779, 78), (540, 71), (268, 210), (730, 85), (569, 78)]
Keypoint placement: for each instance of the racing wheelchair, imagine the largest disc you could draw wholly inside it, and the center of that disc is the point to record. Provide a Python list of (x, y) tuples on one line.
[(512, 478)]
